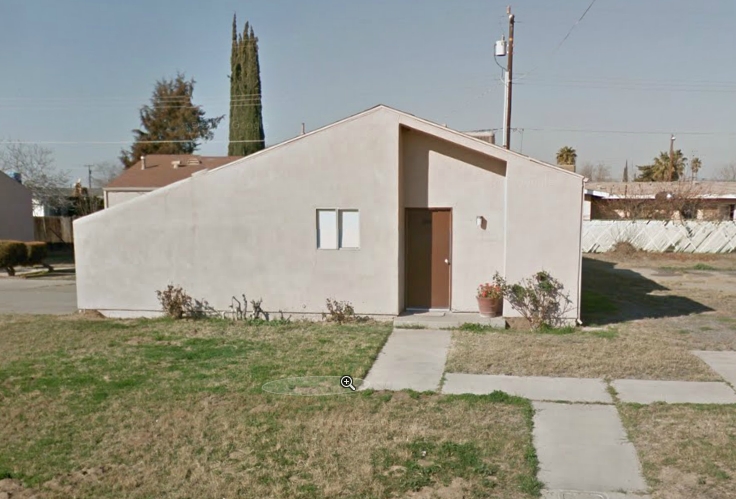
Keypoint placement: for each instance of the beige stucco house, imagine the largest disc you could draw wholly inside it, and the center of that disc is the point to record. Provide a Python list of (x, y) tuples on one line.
[(382, 209), (16, 210)]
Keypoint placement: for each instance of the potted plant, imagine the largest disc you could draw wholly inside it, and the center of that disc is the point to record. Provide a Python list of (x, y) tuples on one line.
[(490, 297)]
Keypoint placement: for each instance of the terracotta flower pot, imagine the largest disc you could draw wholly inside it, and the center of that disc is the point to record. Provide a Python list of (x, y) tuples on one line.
[(490, 307)]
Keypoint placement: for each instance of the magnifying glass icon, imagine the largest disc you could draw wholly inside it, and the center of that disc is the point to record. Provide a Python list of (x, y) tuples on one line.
[(347, 382)]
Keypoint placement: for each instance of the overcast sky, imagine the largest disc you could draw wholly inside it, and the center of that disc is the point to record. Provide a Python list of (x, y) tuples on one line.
[(78, 70)]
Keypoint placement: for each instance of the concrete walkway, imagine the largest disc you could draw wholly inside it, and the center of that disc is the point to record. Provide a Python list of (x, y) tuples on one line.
[(724, 363), (531, 387), (584, 448), (411, 359), (446, 320), (673, 392)]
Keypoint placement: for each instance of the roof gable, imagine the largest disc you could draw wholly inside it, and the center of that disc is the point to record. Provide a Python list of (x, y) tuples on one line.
[(431, 128)]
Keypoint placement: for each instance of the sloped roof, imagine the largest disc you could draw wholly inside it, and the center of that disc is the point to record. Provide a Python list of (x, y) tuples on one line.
[(701, 188), (160, 170), (441, 131)]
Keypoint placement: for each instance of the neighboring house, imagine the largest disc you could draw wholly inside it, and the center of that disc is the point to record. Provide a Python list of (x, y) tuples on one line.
[(382, 209), (683, 200), (65, 203), (16, 211), (155, 171)]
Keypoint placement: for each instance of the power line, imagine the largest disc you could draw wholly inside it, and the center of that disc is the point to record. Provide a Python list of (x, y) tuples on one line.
[(564, 39), (137, 99), (109, 142), (612, 132), (663, 87)]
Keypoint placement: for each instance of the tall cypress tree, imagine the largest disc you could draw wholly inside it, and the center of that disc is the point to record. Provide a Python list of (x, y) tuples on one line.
[(246, 113)]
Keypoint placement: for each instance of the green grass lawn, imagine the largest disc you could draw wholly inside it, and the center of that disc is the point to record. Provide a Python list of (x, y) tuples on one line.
[(156, 408)]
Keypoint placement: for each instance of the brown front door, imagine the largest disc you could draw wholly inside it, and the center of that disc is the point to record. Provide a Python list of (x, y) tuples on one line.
[(428, 243)]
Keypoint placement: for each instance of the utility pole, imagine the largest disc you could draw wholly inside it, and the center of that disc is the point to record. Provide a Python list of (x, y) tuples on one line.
[(509, 79), (672, 159), (89, 177)]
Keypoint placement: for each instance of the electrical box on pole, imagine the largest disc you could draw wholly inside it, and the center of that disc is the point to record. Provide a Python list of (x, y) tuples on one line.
[(501, 48)]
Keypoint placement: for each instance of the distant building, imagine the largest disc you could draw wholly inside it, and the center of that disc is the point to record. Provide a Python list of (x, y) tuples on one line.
[(16, 212), (688, 200), (158, 170)]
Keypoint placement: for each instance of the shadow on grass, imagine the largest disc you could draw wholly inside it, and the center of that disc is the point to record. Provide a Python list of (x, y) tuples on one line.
[(612, 295)]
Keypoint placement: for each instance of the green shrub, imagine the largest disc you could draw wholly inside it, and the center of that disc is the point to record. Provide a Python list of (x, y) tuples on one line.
[(12, 254), (540, 299), (36, 253)]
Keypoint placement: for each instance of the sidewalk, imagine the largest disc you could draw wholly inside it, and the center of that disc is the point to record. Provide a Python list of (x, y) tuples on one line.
[(583, 450)]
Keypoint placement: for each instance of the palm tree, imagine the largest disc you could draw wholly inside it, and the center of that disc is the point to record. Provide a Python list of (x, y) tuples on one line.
[(695, 166), (567, 156), (659, 170)]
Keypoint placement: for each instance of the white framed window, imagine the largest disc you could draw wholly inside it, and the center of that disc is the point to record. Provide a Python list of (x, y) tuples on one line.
[(349, 229), (338, 229)]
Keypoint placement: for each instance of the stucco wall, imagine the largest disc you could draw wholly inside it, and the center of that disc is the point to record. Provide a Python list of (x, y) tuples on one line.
[(250, 227), (16, 210), (114, 198), (439, 174), (544, 218)]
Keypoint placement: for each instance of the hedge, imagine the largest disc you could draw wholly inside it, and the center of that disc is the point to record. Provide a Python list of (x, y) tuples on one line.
[(12, 254), (16, 253), (36, 253)]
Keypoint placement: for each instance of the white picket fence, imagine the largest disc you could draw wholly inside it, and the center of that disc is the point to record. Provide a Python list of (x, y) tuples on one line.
[(655, 235)]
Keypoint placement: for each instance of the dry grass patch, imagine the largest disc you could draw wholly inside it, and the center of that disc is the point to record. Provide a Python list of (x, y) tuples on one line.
[(641, 350), (648, 322), (96, 408), (720, 261), (686, 451)]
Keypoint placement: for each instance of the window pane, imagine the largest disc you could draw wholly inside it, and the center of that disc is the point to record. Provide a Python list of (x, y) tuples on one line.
[(327, 229), (349, 229)]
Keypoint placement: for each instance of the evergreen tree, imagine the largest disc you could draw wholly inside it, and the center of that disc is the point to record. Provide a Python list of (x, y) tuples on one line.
[(171, 124), (626, 171), (246, 113)]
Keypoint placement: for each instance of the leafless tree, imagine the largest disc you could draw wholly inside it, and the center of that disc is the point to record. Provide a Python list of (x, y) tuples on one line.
[(727, 173), (599, 172), (677, 200), (35, 164), (104, 172)]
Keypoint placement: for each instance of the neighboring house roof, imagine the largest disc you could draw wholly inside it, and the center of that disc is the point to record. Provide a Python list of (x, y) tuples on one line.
[(160, 170), (701, 189)]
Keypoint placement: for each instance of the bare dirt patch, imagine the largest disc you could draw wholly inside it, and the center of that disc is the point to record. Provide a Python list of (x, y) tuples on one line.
[(14, 489), (686, 451)]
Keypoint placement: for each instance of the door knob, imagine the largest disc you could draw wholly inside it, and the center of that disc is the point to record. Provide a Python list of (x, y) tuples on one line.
[(447, 261)]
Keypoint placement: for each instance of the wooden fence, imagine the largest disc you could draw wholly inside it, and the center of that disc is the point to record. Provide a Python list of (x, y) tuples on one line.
[(660, 236), (53, 229)]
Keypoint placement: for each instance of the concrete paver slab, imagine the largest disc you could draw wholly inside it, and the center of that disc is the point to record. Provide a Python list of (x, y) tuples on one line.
[(410, 359), (531, 387), (674, 392), (446, 320), (584, 448), (724, 363), (37, 296)]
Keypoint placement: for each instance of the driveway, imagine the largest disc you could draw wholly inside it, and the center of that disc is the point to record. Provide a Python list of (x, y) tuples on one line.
[(38, 296)]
